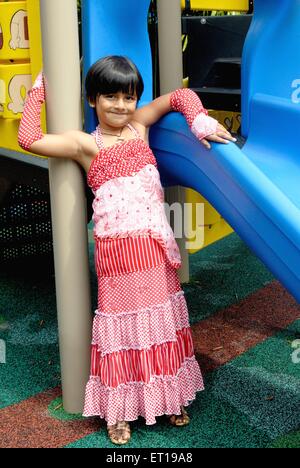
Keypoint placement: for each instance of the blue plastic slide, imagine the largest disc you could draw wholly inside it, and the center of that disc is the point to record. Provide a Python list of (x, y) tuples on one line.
[(256, 189), (116, 27)]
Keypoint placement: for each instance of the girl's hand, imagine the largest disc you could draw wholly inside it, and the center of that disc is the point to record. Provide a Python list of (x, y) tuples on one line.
[(221, 135), (39, 81), (38, 88)]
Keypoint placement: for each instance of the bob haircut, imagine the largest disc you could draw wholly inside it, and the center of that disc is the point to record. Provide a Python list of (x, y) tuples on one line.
[(113, 74)]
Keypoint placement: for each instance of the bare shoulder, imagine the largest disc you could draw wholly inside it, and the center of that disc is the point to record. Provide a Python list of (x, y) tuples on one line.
[(142, 130), (85, 140), (80, 136), (88, 147)]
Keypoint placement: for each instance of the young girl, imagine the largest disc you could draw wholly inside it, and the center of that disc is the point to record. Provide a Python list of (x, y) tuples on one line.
[(142, 357)]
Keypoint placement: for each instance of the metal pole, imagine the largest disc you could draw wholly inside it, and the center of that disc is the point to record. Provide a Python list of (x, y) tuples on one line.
[(169, 43), (61, 60), (171, 76)]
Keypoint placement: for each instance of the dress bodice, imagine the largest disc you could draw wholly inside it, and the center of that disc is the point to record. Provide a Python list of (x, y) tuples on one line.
[(122, 159), (129, 198)]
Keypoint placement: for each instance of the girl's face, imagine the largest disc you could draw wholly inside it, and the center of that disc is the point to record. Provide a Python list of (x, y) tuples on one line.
[(115, 110)]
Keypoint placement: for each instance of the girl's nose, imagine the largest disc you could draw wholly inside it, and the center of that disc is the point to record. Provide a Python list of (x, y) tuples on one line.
[(120, 103)]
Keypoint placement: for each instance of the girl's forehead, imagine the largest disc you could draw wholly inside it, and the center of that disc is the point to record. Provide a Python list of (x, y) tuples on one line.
[(121, 93)]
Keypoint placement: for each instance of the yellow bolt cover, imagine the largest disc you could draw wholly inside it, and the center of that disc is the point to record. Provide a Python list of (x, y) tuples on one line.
[(14, 36), (226, 5)]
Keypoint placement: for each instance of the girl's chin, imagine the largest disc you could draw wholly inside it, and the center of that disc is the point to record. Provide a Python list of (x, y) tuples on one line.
[(118, 122)]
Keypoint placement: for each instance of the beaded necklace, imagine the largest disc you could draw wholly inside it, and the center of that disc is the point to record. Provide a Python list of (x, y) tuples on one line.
[(99, 135)]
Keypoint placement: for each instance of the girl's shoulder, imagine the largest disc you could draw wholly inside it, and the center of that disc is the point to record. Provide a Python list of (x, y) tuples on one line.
[(141, 130), (88, 148), (85, 139)]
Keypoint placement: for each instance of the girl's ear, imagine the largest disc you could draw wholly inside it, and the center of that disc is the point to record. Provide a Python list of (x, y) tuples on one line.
[(93, 103)]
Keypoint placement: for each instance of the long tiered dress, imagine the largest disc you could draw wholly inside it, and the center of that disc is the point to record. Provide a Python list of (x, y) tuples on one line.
[(142, 357)]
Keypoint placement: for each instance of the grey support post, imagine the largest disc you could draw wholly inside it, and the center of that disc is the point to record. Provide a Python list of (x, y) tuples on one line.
[(61, 60), (171, 76)]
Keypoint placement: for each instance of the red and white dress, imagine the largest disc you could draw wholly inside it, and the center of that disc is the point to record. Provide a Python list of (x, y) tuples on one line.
[(142, 357)]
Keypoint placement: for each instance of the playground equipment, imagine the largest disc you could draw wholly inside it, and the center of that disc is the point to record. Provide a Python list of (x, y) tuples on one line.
[(227, 5), (25, 226), (170, 78), (256, 189), (212, 63), (19, 60), (61, 59)]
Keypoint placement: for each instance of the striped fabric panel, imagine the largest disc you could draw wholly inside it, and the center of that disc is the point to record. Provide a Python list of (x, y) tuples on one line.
[(115, 257), (127, 366)]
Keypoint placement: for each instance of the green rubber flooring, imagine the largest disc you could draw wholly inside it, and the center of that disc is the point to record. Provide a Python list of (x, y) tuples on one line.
[(251, 401)]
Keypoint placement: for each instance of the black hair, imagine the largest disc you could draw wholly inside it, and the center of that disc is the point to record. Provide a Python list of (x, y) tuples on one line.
[(112, 74)]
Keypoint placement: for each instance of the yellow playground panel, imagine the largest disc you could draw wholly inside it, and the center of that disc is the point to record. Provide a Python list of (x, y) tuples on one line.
[(20, 60), (226, 5), (214, 228)]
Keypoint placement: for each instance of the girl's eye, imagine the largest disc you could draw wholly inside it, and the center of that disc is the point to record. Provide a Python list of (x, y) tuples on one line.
[(130, 98)]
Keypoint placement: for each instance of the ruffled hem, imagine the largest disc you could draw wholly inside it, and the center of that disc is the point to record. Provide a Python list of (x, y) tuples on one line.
[(162, 395), (140, 329)]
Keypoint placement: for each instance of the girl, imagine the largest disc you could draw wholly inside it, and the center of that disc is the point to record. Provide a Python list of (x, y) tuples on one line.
[(142, 357)]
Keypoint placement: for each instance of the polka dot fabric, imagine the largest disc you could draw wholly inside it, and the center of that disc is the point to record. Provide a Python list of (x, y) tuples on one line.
[(142, 356), (30, 125), (188, 103), (132, 205), (122, 159), (134, 291), (142, 328)]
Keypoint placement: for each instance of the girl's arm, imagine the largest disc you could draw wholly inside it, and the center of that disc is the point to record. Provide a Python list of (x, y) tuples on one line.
[(31, 138), (188, 103), (151, 113)]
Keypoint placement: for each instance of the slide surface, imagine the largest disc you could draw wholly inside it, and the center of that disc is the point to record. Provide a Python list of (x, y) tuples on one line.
[(258, 197)]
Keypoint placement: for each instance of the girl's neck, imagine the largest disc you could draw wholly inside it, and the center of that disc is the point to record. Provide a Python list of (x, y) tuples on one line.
[(111, 130), (105, 133)]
